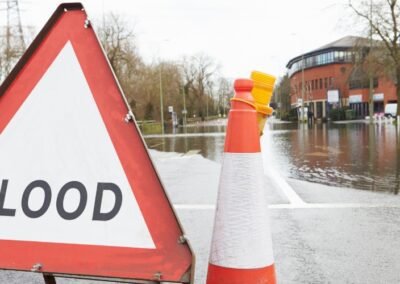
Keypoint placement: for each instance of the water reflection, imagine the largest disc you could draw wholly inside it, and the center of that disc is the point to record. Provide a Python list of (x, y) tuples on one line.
[(210, 146), (356, 155)]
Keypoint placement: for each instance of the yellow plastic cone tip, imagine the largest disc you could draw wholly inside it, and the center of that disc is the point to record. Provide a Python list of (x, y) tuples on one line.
[(263, 78), (262, 91)]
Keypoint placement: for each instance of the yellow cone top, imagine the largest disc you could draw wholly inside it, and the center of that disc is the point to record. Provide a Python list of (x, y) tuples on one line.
[(262, 91)]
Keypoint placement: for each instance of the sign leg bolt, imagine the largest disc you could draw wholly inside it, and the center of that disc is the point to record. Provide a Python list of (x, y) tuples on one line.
[(36, 267), (157, 276)]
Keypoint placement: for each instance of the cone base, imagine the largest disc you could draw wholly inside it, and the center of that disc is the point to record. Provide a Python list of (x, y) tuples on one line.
[(221, 275)]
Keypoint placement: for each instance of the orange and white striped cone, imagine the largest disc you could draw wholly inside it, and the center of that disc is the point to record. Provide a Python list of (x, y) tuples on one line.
[(241, 249)]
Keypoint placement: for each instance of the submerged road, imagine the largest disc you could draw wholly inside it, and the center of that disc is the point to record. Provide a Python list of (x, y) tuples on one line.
[(321, 234)]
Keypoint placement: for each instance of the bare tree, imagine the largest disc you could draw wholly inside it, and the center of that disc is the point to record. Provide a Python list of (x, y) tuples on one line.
[(118, 40), (141, 81), (225, 92), (199, 71), (382, 17), (11, 50), (282, 95)]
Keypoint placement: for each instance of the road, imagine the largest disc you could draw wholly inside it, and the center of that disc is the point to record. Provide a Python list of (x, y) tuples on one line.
[(321, 234)]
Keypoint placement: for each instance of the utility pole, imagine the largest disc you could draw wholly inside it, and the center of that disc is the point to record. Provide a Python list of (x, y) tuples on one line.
[(370, 75), (206, 107), (302, 88), (184, 111), (14, 37), (207, 99), (223, 104), (161, 102), (280, 100), (161, 88)]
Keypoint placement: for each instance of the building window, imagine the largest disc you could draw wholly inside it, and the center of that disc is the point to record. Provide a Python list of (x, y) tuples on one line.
[(326, 83), (320, 83), (323, 58), (362, 84), (349, 56), (341, 55), (330, 57), (330, 82)]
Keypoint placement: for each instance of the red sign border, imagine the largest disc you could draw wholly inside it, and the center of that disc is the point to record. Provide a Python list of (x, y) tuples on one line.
[(172, 259)]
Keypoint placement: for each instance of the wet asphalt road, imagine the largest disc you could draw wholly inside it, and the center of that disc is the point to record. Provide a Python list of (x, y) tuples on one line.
[(329, 235), (337, 235)]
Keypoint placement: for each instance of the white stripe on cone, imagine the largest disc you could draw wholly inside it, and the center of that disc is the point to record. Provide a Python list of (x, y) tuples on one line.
[(241, 237)]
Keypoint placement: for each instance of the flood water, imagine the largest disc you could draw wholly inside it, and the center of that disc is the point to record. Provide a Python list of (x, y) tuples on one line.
[(356, 155), (207, 140)]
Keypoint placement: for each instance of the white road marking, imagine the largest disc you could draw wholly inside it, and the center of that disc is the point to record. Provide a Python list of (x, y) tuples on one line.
[(210, 134), (289, 192), (332, 206), (294, 206), (155, 145), (192, 152), (194, 206)]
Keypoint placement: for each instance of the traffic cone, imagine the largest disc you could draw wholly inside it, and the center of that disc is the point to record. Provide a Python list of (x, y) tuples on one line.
[(241, 248), (262, 93)]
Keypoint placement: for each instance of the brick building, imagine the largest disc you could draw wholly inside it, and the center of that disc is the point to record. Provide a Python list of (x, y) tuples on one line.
[(331, 80)]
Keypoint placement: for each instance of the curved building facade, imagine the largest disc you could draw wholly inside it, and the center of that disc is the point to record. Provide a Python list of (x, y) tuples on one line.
[(331, 80)]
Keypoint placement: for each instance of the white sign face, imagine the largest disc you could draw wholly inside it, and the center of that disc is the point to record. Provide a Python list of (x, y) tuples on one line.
[(299, 101), (353, 99), (170, 109), (77, 195), (333, 96), (378, 97)]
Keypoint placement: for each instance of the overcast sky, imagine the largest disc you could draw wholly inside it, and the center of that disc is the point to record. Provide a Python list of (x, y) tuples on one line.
[(240, 35)]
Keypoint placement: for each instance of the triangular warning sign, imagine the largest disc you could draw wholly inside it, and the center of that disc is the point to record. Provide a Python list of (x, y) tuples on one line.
[(78, 192)]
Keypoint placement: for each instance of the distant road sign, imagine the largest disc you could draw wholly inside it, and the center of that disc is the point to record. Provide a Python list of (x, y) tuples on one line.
[(79, 194), (333, 96), (170, 109)]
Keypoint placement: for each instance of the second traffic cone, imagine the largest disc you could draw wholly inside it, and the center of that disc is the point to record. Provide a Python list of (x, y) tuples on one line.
[(241, 248)]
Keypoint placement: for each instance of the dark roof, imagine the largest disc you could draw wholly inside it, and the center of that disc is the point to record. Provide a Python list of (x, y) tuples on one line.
[(343, 43)]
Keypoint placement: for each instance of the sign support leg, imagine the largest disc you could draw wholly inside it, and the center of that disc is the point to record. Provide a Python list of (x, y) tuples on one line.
[(49, 279)]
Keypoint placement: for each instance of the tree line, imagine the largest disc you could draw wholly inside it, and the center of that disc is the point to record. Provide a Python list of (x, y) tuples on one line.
[(193, 83)]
